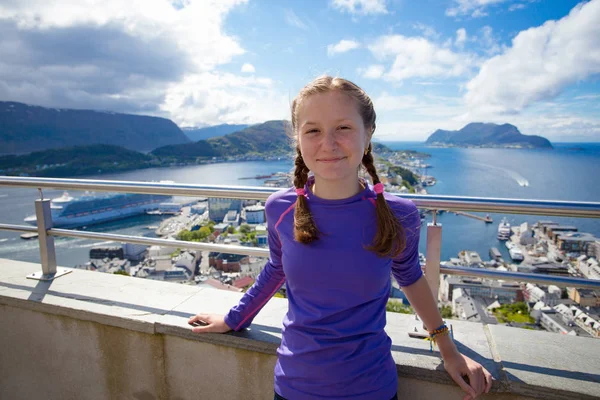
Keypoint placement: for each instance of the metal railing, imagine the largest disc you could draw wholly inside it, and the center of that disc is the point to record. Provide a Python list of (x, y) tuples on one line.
[(46, 231)]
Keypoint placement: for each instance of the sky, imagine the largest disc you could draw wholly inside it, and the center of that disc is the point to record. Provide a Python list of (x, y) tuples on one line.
[(427, 65)]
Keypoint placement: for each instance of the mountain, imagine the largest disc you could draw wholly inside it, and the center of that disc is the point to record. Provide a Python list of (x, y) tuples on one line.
[(196, 134), (266, 138), (76, 160), (487, 135), (25, 128)]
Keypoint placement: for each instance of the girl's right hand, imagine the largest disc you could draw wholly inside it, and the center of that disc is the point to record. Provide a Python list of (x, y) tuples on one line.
[(209, 323)]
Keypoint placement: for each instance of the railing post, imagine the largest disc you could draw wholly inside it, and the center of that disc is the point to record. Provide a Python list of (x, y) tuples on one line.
[(46, 242), (433, 253)]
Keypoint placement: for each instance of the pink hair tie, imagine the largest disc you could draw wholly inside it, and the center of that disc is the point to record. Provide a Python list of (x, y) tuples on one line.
[(378, 188), (300, 192)]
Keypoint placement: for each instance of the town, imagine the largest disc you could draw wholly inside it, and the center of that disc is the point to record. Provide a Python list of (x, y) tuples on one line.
[(545, 248)]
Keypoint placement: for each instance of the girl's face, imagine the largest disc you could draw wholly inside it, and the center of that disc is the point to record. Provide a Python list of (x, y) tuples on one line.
[(331, 135)]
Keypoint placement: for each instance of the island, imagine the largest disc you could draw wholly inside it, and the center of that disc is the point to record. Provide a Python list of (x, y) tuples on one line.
[(478, 134)]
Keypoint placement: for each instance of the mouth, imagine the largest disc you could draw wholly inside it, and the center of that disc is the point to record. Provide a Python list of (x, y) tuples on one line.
[(330, 160)]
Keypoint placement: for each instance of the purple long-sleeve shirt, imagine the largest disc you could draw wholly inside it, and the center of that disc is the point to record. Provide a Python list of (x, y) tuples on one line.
[(333, 342)]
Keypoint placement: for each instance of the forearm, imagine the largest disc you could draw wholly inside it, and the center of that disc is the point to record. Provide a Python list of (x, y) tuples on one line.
[(421, 299), (267, 283)]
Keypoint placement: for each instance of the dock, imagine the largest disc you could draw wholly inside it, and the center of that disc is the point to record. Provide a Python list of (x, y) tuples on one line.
[(485, 219)]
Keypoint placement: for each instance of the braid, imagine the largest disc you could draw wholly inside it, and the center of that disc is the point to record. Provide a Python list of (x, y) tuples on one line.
[(390, 239), (305, 230)]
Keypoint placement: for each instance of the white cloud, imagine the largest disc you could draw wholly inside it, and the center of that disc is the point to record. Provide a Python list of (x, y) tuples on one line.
[(248, 68), (143, 56), (518, 6), (419, 57), (342, 46), (461, 37), (293, 20), (428, 31), (387, 102), (215, 98), (474, 8), (588, 97), (360, 7), (374, 71), (488, 41), (540, 64)]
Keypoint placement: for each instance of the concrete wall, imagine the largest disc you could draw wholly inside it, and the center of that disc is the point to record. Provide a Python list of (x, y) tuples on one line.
[(57, 357), (89, 335)]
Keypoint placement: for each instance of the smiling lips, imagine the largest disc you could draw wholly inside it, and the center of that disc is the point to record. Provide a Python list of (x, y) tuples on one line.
[(330, 160)]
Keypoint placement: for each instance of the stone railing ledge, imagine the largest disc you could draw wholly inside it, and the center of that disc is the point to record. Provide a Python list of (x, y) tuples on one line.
[(524, 363)]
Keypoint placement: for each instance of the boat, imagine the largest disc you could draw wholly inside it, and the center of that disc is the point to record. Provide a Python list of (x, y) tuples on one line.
[(495, 254), (470, 258), (28, 236), (516, 254), (504, 230), (90, 208)]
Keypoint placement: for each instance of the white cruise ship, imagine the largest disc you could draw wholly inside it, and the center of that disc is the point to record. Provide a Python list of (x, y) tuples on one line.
[(72, 212), (504, 230)]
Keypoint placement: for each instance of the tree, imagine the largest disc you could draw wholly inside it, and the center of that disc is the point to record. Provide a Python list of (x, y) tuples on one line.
[(446, 312), (205, 231), (185, 235), (231, 230), (121, 272), (398, 307), (245, 229)]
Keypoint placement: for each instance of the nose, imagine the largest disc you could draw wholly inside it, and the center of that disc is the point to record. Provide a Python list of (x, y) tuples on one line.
[(329, 140)]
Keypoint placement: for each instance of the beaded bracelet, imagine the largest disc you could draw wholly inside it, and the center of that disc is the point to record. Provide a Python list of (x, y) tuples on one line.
[(433, 335)]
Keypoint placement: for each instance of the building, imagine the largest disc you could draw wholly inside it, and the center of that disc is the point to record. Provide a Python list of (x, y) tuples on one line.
[(555, 230), (574, 241), (474, 309), (585, 297), (544, 268), (534, 294), (546, 225), (588, 267), (527, 236), (232, 218), (134, 251), (227, 262), (186, 260), (584, 320), (198, 209), (243, 282), (553, 321), (156, 251), (218, 207), (176, 274), (504, 292), (109, 252), (255, 214), (162, 263), (219, 228), (262, 240), (593, 250)]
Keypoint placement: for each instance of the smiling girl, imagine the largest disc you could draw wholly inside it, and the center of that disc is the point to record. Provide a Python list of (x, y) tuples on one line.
[(334, 240)]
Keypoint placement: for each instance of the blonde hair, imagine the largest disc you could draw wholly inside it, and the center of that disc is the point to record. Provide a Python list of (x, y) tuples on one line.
[(390, 239)]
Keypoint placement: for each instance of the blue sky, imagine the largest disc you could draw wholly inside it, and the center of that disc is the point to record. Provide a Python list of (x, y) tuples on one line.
[(426, 64)]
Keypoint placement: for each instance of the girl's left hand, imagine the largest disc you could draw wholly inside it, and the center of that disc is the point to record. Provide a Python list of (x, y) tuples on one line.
[(480, 380)]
